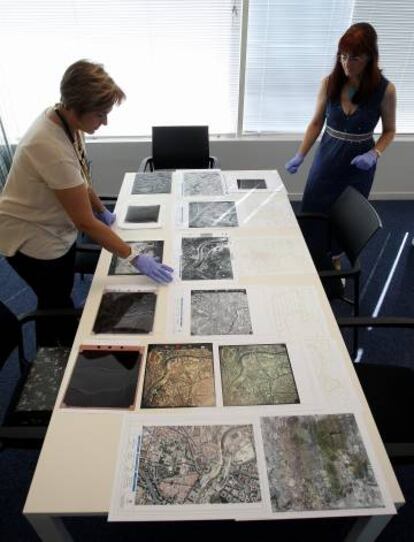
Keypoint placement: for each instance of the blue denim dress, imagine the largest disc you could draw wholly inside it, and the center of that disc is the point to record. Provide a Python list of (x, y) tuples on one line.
[(331, 171)]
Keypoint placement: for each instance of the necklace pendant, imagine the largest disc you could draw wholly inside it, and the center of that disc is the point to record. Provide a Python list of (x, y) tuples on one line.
[(351, 92)]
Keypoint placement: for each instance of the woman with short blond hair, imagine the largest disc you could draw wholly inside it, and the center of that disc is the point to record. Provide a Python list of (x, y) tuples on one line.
[(48, 196)]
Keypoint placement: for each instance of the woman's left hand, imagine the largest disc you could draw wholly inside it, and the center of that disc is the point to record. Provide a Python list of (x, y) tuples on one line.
[(106, 216), (365, 161)]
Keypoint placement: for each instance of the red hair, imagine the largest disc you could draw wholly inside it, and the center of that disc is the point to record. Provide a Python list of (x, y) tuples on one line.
[(359, 39)]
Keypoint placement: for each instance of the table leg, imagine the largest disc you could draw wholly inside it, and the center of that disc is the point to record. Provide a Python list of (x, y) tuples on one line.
[(367, 528), (49, 528)]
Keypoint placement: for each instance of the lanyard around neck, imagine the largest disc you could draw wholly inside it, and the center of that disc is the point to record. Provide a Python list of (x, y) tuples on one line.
[(65, 125), (79, 149)]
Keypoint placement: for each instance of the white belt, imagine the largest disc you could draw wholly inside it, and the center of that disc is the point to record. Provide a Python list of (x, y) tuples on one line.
[(345, 136)]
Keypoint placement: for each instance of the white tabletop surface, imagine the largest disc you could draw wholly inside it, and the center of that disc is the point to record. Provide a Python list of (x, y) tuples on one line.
[(75, 471)]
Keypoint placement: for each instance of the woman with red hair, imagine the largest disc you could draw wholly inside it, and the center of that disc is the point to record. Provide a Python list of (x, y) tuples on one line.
[(351, 99)]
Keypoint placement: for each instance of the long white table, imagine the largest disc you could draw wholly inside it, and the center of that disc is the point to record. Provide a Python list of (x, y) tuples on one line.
[(76, 467)]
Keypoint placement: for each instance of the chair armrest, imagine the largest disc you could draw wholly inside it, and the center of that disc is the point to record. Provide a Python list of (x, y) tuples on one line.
[(311, 216), (50, 313), (213, 162), (342, 274), (88, 247), (369, 321), (147, 162)]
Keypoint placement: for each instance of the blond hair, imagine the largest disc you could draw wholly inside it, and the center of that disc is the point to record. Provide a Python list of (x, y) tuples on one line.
[(86, 87)]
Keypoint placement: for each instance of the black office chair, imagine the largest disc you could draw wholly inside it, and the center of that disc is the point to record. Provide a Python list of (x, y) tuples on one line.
[(352, 221), (179, 147), (87, 251), (29, 410), (389, 390)]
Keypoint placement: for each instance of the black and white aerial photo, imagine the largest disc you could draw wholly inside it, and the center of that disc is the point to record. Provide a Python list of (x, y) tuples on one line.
[(220, 312), (138, 214), (251, 184), (153, 182), (151, 248), (212, 214), (202, 183), (205, 258)]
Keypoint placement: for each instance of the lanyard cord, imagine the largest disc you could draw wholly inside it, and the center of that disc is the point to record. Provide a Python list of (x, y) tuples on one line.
[(77, 145)]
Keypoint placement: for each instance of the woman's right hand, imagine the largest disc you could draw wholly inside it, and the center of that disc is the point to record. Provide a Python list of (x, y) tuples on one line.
[(294, 163), (153, 269)]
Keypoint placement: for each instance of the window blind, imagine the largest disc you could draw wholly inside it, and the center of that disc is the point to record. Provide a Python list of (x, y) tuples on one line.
[(177, 60), (394, 22), (291, 46)]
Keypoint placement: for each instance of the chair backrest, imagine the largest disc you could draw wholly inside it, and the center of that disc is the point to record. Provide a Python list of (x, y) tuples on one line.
[(10, 333), (180, 147), (354, 221)]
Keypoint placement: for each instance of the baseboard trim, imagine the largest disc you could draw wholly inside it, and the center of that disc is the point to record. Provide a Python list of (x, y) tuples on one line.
[(295, 196)]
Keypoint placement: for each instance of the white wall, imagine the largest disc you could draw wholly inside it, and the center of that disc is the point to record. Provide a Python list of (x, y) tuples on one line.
[(394, 178)]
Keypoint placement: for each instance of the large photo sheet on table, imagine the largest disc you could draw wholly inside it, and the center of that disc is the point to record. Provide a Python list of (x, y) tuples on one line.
[(186, 468), (249, 210), (250, 467), (292, 311), (254, 180)]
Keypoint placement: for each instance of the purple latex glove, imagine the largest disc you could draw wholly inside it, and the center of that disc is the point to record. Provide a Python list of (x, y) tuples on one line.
[(294, 163), (105, 216), (365, 161), (152, 268)]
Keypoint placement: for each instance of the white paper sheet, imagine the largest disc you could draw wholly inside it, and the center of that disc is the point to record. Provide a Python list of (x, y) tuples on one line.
[(267, 256), (253, 210), (157, 478), (287, 311), (207, 465)]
